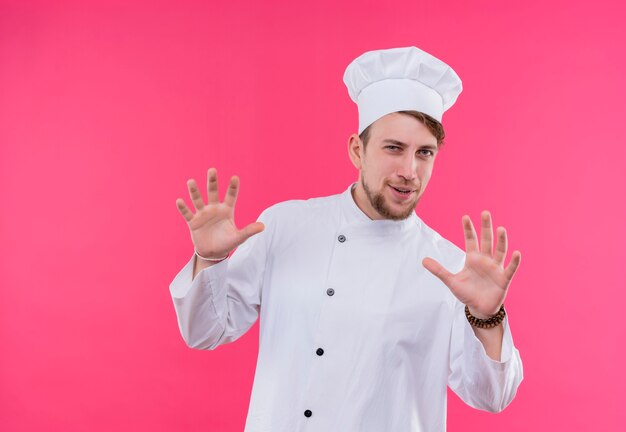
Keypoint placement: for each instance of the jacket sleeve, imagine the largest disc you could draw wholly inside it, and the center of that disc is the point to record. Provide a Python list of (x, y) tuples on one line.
[(478, 380), (223, 301)]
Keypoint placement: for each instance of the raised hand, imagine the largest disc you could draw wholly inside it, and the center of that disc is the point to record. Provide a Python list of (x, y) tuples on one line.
[(483, 282), (212, 227)]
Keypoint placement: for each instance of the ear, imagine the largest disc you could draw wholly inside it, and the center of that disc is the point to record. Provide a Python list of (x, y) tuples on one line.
[(355, 150)]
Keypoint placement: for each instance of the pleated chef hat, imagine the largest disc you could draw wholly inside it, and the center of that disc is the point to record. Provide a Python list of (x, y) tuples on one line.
[(400, 79)]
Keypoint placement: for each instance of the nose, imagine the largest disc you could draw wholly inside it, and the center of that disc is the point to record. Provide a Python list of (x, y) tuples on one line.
[(407, 168)]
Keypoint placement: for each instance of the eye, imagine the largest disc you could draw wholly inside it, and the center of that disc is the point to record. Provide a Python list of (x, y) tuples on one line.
[(426, 152), (393, 147)]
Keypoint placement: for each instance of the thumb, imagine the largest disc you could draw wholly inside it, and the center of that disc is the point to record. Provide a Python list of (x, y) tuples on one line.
[(437, 269), (250, 230)]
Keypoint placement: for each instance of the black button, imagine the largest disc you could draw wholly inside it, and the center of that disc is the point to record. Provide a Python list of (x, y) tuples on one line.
[(319, 351), (330, 291), (307, 413), (341, 238)]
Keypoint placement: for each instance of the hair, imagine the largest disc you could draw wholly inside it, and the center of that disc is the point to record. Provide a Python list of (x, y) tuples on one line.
[(434, 127)]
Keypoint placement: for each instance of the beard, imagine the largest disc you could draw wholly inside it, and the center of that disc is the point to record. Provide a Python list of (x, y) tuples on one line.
[(378, 201)]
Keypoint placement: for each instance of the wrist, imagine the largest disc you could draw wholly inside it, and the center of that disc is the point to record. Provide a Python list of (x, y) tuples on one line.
[(482, 321), (210, 259), (479, 315)]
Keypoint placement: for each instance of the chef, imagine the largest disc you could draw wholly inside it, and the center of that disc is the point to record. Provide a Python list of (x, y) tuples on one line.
[(366, 313)]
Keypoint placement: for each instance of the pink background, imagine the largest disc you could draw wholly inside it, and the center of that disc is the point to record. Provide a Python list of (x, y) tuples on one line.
[(107, 108)]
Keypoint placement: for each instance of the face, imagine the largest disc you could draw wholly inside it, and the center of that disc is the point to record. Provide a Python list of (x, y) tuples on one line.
[(395, 167)]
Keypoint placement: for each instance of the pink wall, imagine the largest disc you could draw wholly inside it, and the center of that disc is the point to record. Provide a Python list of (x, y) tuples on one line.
[(107, 108)]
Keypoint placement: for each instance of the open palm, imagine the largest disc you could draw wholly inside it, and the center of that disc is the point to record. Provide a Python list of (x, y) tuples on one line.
[(483, 282), (212, 228)]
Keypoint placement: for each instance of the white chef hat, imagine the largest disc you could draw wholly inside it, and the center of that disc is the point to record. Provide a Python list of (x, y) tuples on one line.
[(400, 79)]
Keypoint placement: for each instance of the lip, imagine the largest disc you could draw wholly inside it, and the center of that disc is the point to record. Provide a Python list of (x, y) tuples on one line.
[(401, 196)]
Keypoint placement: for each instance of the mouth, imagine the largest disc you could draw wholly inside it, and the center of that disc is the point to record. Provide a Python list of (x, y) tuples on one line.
[(402, 192)]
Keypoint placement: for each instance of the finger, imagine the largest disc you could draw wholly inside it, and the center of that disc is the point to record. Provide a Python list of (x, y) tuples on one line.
[(510, 270), (501, 245), (438, 270), (250, 230), (184, 210), (213, 196), (471, 243), (231, 193), (486, 233), (194, 193)]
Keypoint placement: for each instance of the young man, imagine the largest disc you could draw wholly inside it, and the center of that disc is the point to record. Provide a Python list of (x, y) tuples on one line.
[(366, 313)]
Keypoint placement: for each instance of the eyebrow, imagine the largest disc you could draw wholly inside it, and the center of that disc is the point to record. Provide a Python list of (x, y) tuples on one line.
[(401, 144)]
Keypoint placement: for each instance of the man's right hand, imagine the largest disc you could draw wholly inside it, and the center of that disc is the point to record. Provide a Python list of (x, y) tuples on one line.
[(212, 227)]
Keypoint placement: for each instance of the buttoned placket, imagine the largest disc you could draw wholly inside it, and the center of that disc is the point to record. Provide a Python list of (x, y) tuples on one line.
[(318, 386), (339, 296)]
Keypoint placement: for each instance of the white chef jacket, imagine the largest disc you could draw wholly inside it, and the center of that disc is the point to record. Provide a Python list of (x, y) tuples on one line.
[(355, 334)]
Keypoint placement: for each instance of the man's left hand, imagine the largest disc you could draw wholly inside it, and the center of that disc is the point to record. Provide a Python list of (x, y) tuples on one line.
[(483, 283)]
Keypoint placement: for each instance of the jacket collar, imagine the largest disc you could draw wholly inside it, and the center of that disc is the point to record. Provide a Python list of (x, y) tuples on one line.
[(354, 214)]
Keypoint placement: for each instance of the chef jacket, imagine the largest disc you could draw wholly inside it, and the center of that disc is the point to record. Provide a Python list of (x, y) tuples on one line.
[(355, 334)]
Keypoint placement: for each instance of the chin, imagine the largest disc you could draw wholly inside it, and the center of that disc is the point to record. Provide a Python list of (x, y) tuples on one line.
[(396, 213), (402, 215), (386, 206)]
